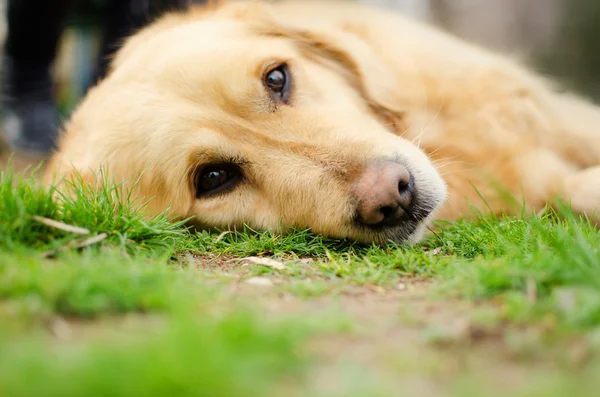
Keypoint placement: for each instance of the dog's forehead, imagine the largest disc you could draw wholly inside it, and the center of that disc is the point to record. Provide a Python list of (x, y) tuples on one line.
[(208, 34), (203, 36), (222, 43)]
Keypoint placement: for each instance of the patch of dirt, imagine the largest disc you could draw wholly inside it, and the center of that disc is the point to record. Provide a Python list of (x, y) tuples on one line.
[(407, 341), (220, 263), (401, 342)]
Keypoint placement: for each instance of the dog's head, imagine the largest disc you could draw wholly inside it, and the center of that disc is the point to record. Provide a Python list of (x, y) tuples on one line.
[(231, 118)]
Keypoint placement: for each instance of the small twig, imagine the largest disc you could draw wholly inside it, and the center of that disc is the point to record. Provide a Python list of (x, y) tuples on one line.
[(88, 241), (76, 244), (434, 233), (223, 234), (60, 225), (254, 260)]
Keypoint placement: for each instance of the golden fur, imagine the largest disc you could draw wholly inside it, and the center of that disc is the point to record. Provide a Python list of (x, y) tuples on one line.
[(368, 85)]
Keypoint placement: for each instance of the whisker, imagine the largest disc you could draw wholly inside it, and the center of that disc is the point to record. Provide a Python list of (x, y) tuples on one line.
[(454, 172), (438, 167), (436, 161), (424, 130), (435, 117)]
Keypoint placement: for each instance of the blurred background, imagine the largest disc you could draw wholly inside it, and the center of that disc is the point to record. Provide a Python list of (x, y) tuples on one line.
[(560, 38)]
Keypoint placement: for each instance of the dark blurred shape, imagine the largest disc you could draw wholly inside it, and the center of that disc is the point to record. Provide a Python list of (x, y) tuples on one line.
[(575, 53), (30, 116)]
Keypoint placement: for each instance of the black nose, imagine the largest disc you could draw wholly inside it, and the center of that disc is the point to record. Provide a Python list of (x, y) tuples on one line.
[(385, 193)]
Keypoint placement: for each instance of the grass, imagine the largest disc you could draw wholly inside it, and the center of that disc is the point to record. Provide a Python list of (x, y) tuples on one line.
[(100, 211), (191, 355), (539, 266), (135, 306)]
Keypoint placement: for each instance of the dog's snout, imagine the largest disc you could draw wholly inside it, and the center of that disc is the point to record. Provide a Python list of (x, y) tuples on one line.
[(385, 194)]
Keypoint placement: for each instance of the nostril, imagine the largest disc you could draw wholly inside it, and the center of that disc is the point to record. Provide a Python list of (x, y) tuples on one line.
[(388, 211), (391, 215), (406, 184), (406, 188), (403, 185)]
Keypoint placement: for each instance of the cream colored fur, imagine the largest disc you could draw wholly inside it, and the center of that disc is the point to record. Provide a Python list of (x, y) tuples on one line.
[(368, 84)]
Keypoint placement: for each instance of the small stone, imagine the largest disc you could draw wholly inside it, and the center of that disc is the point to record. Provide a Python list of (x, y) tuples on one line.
[(259, 281), (255, 260)]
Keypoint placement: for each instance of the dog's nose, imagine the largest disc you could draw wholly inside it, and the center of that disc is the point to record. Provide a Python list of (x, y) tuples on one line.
[(385, 193)]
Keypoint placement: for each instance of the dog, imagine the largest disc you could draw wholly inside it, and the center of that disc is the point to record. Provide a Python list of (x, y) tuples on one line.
[(341, 118)]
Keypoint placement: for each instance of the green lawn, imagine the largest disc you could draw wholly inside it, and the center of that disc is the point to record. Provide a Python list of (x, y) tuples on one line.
[(97, 301)]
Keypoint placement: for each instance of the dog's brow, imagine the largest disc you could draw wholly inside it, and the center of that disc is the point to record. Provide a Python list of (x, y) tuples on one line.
[(204, 156), (241, 130)]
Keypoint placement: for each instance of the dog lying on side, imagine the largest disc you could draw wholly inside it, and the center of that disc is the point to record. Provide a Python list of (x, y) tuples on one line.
[(351, 121)]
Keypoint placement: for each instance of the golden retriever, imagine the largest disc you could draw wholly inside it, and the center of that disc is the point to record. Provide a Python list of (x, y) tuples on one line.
[(348, 120)]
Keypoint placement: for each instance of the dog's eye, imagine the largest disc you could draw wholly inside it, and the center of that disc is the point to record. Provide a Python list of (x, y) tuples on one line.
[(277, 82), (216, 178)]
